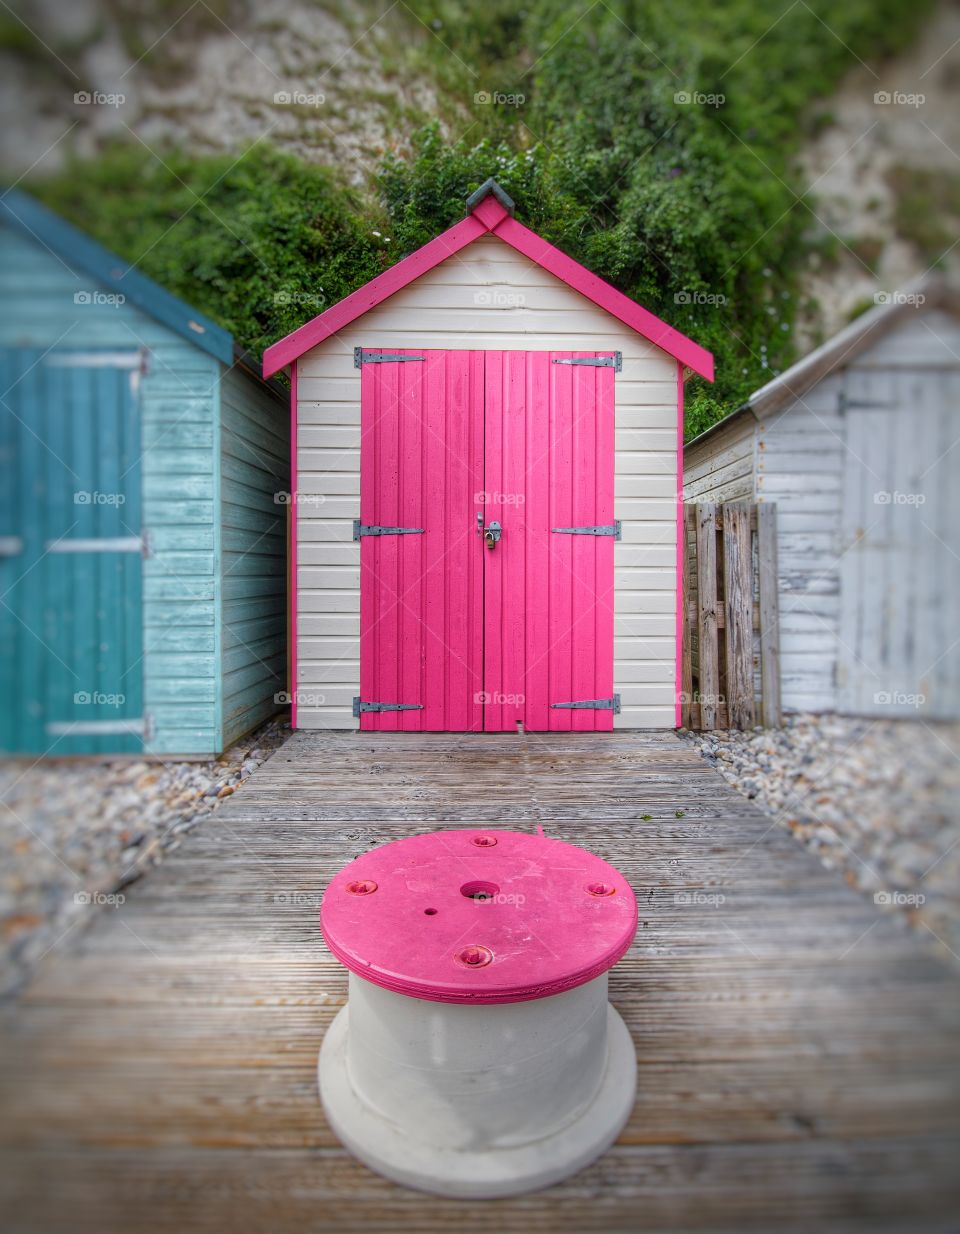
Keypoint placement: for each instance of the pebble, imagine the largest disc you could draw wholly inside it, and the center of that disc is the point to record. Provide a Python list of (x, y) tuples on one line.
[(74, 832), (878, 801)]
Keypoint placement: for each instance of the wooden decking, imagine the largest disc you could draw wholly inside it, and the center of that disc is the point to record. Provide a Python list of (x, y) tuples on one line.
[(797, 1049)]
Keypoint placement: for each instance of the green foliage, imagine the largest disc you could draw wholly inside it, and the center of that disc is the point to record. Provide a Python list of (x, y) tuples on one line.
[(260, 245), (691, 207)]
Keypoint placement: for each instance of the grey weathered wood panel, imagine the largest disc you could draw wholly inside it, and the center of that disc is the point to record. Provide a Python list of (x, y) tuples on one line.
[(797, 1049)]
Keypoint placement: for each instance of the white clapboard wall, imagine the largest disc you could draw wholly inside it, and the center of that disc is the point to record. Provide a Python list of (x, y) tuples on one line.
[(488, 296)]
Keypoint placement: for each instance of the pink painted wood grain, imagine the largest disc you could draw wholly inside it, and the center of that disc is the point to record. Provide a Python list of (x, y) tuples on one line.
[(293, 592), (681, 616), (420, 595)]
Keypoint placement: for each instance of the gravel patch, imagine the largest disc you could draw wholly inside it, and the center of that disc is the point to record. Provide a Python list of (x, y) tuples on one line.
[(75, 833), (877, 800)]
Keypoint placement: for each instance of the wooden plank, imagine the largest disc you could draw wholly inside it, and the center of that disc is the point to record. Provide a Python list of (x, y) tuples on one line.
[(738, 606), (797, 1049), (768, 585), (709, 686)]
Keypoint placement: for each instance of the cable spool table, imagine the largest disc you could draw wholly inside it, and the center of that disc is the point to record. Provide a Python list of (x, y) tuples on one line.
[(477, 1055)]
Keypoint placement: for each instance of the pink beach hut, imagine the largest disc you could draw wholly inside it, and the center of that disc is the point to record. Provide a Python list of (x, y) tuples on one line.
[(487, 468)]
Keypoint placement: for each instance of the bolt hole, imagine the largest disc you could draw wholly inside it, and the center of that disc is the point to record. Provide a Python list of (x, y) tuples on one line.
[(480, 891), (484, 841), (430, 912), (601, 889), (361, 887)]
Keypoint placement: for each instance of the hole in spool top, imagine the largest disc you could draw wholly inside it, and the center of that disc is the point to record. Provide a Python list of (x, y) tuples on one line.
[(601, 889), (430, 912), (480, 891)]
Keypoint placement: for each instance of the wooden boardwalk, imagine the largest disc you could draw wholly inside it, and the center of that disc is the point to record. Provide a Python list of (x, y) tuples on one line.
[(797, 1048)]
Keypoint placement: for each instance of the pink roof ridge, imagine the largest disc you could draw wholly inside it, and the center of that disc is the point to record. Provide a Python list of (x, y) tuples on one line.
[(488, 215)]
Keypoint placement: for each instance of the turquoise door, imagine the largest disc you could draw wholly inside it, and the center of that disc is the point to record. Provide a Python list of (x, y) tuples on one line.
[(71, 548)]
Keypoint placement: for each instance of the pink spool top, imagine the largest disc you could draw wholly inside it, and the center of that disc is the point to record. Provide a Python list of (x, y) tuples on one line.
[(478, 916)]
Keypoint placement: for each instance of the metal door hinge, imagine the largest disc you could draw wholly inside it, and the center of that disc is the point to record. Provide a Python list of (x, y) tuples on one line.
[(359, 705), (615, 361), (361, 357), (606, 529), (593, 704), (370, 529)]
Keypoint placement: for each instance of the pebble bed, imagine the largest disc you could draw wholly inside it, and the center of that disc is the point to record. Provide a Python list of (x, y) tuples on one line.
[(878, 801), (75, 833)]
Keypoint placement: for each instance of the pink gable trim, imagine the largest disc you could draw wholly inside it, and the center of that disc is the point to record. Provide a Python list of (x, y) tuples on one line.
[(488, 217)]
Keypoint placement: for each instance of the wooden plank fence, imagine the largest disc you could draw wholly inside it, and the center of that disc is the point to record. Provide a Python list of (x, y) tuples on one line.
[(731, 636)]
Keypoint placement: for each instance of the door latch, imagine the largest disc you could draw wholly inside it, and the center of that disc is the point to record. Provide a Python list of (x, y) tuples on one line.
[(492, 534)]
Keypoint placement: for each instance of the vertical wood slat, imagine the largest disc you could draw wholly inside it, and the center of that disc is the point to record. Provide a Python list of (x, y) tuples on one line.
[(686, 673), (769, 614), (738, 614), (706, 528)]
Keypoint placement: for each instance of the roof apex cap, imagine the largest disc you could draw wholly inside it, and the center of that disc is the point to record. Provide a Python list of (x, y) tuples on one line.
[(488, 188)]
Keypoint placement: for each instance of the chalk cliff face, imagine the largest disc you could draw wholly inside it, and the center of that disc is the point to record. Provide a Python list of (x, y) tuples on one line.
[(322, 83), (885, 172), (343, 83)]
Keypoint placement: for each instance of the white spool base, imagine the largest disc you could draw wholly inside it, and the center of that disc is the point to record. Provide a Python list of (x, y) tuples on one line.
[(392, 1152)]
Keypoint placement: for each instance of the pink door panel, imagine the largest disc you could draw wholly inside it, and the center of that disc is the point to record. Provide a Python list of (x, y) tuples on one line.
[(460, 636), (548, 595), (421, 637)]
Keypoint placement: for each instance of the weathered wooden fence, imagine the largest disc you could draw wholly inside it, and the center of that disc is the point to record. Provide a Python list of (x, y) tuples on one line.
[(731, 639)]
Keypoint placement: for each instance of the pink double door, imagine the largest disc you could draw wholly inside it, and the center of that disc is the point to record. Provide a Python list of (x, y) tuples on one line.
[(461, 448)]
